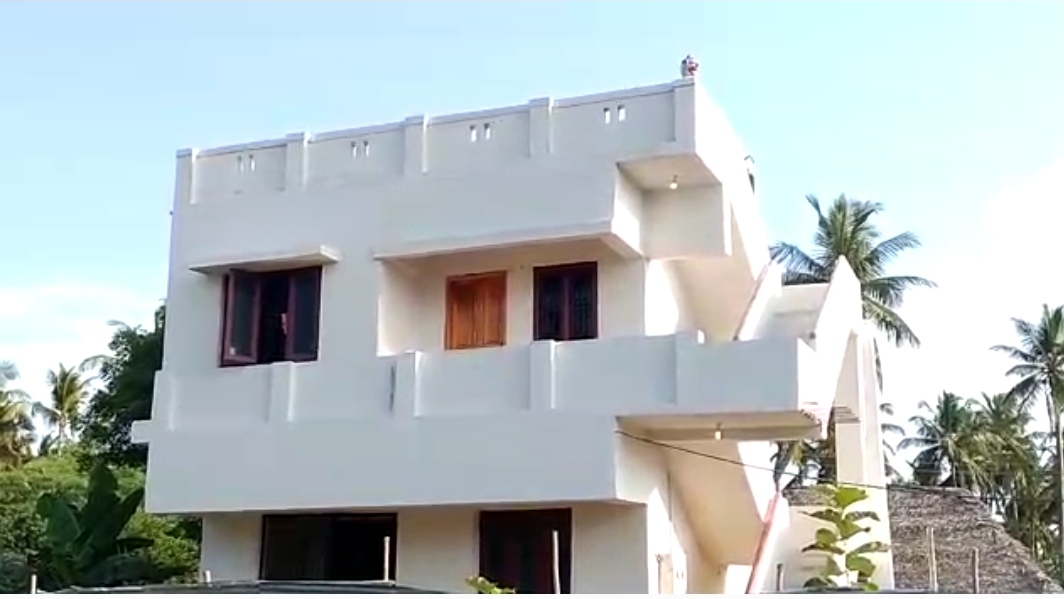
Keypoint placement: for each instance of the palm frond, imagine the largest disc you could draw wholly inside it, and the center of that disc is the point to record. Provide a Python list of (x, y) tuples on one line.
[(8, 372), (892, 429), (890, 291), (889, 249), (797, 263), (890, 323)]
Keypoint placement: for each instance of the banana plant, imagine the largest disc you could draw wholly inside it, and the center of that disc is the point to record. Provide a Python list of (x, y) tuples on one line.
[(841, 562), (84, 545)]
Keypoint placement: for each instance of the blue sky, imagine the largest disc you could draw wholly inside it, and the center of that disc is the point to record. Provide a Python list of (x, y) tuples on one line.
[(949, 113)]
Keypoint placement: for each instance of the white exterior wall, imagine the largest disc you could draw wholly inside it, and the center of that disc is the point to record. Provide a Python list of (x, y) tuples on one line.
[(412, 301), (859, 461), (391, 212), (437, 548), (554, 184), (616, 547)]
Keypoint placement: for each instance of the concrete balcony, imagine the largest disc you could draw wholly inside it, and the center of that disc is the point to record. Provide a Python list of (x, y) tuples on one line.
[(663, 381), (360, 436), (669, 382)]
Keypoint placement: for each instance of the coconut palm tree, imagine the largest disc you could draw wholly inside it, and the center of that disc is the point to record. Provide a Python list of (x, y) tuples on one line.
[(16, 425), (888, 428), (1038, 360), (69, 388), (48, 446), (1009, 449), (950, 444), (802, 458), (1029, 505), (847, 231)]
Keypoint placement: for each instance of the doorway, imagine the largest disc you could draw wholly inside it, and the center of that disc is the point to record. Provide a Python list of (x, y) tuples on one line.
[(517, 549), (349, 547)]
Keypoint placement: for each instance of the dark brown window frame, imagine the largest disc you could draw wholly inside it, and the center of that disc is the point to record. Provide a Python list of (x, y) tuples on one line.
[(229, 288), (499, 526), (392, 518), (543, 272), (230, 283)]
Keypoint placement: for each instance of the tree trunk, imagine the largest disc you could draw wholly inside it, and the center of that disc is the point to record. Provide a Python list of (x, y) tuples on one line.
[(1057, 432), (1054, 423)]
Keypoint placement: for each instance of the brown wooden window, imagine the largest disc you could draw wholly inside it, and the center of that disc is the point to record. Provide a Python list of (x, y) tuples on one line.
[(270, 316), (476, 311), (566, 302), (517, 549)]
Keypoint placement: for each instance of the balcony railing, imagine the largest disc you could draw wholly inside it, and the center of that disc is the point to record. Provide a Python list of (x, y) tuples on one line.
[(671, 375)]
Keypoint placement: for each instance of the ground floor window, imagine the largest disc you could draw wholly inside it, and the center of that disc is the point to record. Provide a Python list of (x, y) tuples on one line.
[(517, 549), (353, 547)]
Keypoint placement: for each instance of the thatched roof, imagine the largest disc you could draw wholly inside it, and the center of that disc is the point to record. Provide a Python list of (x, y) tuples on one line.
[(961, 523)]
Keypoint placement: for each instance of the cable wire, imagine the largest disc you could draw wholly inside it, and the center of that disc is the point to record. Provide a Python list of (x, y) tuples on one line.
[(903, 487)]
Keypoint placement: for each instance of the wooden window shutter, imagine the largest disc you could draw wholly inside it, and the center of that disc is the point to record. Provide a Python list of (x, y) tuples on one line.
[(492, 323), (460, 317), (476, 311)]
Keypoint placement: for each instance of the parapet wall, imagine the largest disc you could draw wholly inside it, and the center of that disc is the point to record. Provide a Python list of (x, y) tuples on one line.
[(620, 125)]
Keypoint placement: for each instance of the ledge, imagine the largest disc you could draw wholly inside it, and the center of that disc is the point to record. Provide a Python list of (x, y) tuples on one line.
[(503, 239), (141, 432), (297, 258), (778, 425)]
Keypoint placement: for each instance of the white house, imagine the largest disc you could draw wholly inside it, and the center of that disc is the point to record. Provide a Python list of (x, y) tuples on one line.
[(492, 341)]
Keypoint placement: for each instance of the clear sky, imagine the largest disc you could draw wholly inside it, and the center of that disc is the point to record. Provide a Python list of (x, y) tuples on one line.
[(952, 114)]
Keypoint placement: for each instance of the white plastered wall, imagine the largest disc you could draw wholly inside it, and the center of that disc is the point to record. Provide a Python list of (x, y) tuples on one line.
[(437, 547)]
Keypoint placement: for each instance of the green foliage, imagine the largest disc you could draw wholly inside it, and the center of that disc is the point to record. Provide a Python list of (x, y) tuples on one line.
[(30, 541), (126, 396), (87, 544), (16, 425), (52, 520), (987, 446), (834, 542), (847, 229), (69, 387), (483, 586), (175, 548), (20, 527)]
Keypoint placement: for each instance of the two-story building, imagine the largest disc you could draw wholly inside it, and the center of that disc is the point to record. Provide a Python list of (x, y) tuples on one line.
[(542, 342)]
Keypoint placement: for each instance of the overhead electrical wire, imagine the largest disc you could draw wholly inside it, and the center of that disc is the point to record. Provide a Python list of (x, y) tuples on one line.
[(903, 487)]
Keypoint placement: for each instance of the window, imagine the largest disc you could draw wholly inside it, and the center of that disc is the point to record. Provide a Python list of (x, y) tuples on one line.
[(476, 311), (566, 302), (517, 549), (351, 547), (271, 316)]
